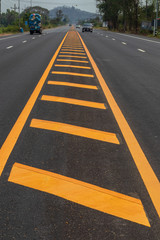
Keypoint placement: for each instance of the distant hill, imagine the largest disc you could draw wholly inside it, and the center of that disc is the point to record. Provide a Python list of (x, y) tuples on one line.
[(73, 14)]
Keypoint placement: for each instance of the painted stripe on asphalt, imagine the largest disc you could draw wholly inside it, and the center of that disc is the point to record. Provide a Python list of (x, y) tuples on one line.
[(13, 136), (69, 60), (73, 53), (71, 66), (73, 101), (147, 174), (73, 74), (71, 56), (71, 50), (77, 85), (9, 47), (86, 194), (141, 50), (147, 40), (75, 130)]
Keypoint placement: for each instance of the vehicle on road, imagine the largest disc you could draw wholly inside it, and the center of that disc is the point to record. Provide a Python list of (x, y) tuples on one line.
[(87, 27), (78, 26), (35, 23)]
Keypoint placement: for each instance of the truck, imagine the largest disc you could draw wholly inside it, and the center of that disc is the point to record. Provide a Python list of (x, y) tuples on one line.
[(35, 25)]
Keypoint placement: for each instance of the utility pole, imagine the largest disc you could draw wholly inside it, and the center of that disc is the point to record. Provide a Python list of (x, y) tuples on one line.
[(156, 20), (19, 13), (31, 3), (0, 7), (0, 11)]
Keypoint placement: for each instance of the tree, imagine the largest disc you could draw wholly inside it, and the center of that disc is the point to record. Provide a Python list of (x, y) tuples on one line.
[(59, 15)]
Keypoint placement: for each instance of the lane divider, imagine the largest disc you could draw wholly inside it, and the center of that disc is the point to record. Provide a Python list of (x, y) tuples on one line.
[(71, 50), (73, 101), (147, 174), (13, 136), (75, 130)]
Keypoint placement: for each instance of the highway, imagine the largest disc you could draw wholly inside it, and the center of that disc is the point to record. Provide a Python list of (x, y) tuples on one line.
[(79, 136)]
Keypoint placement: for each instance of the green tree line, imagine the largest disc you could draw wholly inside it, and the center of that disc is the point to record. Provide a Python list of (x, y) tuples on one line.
[(11, 21), (126, 14)]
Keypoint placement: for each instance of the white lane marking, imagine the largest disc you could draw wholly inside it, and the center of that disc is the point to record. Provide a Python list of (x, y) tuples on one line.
[(24, 41), (147, 40), (9, 47), (124, 43), (11, 37), (113, 39), (141, 50)]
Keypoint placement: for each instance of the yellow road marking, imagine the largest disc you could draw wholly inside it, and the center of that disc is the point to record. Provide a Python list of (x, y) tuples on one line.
[(75, 130), (71, 66), (73, 101), (71, 56), (73, 53), (82, 193), (11, 139), (149, 178), (72, 50), (72, 85), (69, 60), (73, 74), (79, 48)]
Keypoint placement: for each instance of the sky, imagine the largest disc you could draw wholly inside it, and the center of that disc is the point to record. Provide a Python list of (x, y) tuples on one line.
[(87, 5)]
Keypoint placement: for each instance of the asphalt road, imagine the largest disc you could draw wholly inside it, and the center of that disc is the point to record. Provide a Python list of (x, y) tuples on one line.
[(70, 166)]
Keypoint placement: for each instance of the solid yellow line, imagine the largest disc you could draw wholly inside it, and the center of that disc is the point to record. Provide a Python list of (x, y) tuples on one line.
[(73, 74), (72, 85), (69, 60), (71, 66), (73, 101), (82, 193), (149, 178), (12, 138), (75, 130), (73, 53), (71, 56)]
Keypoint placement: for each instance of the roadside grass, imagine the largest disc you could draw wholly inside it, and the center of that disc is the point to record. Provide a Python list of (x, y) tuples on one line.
[(15, 29)]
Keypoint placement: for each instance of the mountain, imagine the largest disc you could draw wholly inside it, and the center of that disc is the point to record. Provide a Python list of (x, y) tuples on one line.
[(73, 14)]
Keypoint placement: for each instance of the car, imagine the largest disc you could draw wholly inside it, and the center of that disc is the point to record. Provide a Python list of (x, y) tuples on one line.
[(87, 27), (78, 26)]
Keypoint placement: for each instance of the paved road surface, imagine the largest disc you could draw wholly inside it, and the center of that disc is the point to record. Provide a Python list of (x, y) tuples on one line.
[(80, 136)]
